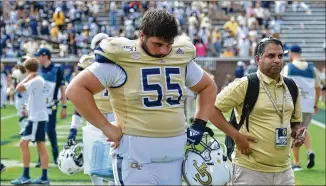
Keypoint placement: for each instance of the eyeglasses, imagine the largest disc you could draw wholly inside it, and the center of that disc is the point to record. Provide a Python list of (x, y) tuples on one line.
[(265, 40)]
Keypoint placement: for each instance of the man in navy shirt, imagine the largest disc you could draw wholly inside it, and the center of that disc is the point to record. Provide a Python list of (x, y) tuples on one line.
[(53, 75)]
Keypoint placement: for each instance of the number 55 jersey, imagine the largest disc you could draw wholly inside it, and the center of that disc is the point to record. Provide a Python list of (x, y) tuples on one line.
[(151, 101)]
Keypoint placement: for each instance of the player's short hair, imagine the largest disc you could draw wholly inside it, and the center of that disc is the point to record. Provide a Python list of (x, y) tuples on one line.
[(159, 23), (31, 64), (260, 48)]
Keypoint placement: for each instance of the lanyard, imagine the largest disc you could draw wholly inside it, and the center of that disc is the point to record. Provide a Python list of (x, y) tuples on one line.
[(281, 114)]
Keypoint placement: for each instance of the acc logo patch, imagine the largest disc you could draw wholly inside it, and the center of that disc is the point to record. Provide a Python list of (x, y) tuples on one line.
[(135, 55)]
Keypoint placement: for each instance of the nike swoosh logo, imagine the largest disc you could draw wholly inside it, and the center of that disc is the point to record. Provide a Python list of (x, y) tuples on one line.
[(26, 181)]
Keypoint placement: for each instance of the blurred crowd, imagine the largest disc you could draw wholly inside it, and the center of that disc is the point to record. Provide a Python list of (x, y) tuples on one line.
[(217, 28)]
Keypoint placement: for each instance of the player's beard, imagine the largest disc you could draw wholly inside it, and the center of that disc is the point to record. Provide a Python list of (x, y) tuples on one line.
[(145, 48)]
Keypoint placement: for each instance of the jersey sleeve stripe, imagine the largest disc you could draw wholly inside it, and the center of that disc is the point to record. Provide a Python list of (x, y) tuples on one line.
[(101, 59)]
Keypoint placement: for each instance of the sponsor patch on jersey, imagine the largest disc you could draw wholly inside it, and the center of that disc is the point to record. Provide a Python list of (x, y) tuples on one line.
[(129, 48)]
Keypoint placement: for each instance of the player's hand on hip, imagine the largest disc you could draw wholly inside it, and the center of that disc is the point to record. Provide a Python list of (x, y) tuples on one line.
[(115, 144), (114, 134), (195, 131), (63, 113), (242, 142)]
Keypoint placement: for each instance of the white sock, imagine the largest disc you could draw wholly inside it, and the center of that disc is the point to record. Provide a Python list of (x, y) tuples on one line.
[(96, 180), (75, 121)]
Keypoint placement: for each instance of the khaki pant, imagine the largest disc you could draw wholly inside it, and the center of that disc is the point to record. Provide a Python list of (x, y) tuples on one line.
[(244, 176)]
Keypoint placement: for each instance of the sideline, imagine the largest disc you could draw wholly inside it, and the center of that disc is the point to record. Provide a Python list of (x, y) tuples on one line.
[(10, 116), (319, 124)]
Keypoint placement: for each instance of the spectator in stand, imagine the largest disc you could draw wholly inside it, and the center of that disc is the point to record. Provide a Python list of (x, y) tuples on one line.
[(130, 29), (193, 24), (228, 52), (232, 26), (200, 48), (250, 11), (216, 40), (300, 5), (266, 32), (44, 29), (226, 6), (244, 47), (179, 13), (204, 34), (54, 32), (95, 8), (30, 47), (241, 18), (113, 14), (275, 26), (259, 13), (252, 21), (243, 31), (58, 17), (280, 7)]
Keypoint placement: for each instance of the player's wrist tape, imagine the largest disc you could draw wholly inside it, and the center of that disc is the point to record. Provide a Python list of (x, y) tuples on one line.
[(199, 122)]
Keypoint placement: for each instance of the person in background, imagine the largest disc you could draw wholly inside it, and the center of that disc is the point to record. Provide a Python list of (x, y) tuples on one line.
[(252, 68), (53, 75), (239, 70), (305, 76), (34, 130), (259, 158)]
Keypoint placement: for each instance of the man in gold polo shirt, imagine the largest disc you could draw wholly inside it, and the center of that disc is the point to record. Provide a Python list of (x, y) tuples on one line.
[(259, 160)]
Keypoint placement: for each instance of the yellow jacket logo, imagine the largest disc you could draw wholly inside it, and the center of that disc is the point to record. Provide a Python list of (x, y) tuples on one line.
[(203, 173)]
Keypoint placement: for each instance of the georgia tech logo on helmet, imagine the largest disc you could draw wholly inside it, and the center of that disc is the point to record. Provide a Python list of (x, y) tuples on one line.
[(202, 173), (206, 165)]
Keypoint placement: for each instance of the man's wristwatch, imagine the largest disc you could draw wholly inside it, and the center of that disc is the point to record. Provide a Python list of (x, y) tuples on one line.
[(64, 106), (315, 106)]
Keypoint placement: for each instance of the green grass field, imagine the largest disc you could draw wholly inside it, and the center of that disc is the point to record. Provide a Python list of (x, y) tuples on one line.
[(11, 156)]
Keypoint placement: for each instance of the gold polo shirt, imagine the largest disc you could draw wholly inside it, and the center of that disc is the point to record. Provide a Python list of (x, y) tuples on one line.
[(263, 121)]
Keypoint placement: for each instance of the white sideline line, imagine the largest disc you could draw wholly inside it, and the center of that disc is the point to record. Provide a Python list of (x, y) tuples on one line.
[(16, 163), (319, 124), (63, 133), (47, 143), (65, 126), (7, 117)]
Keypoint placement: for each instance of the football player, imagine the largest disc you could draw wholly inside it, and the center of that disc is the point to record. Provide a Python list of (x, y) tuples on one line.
[(147, 80), (103, 103)]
